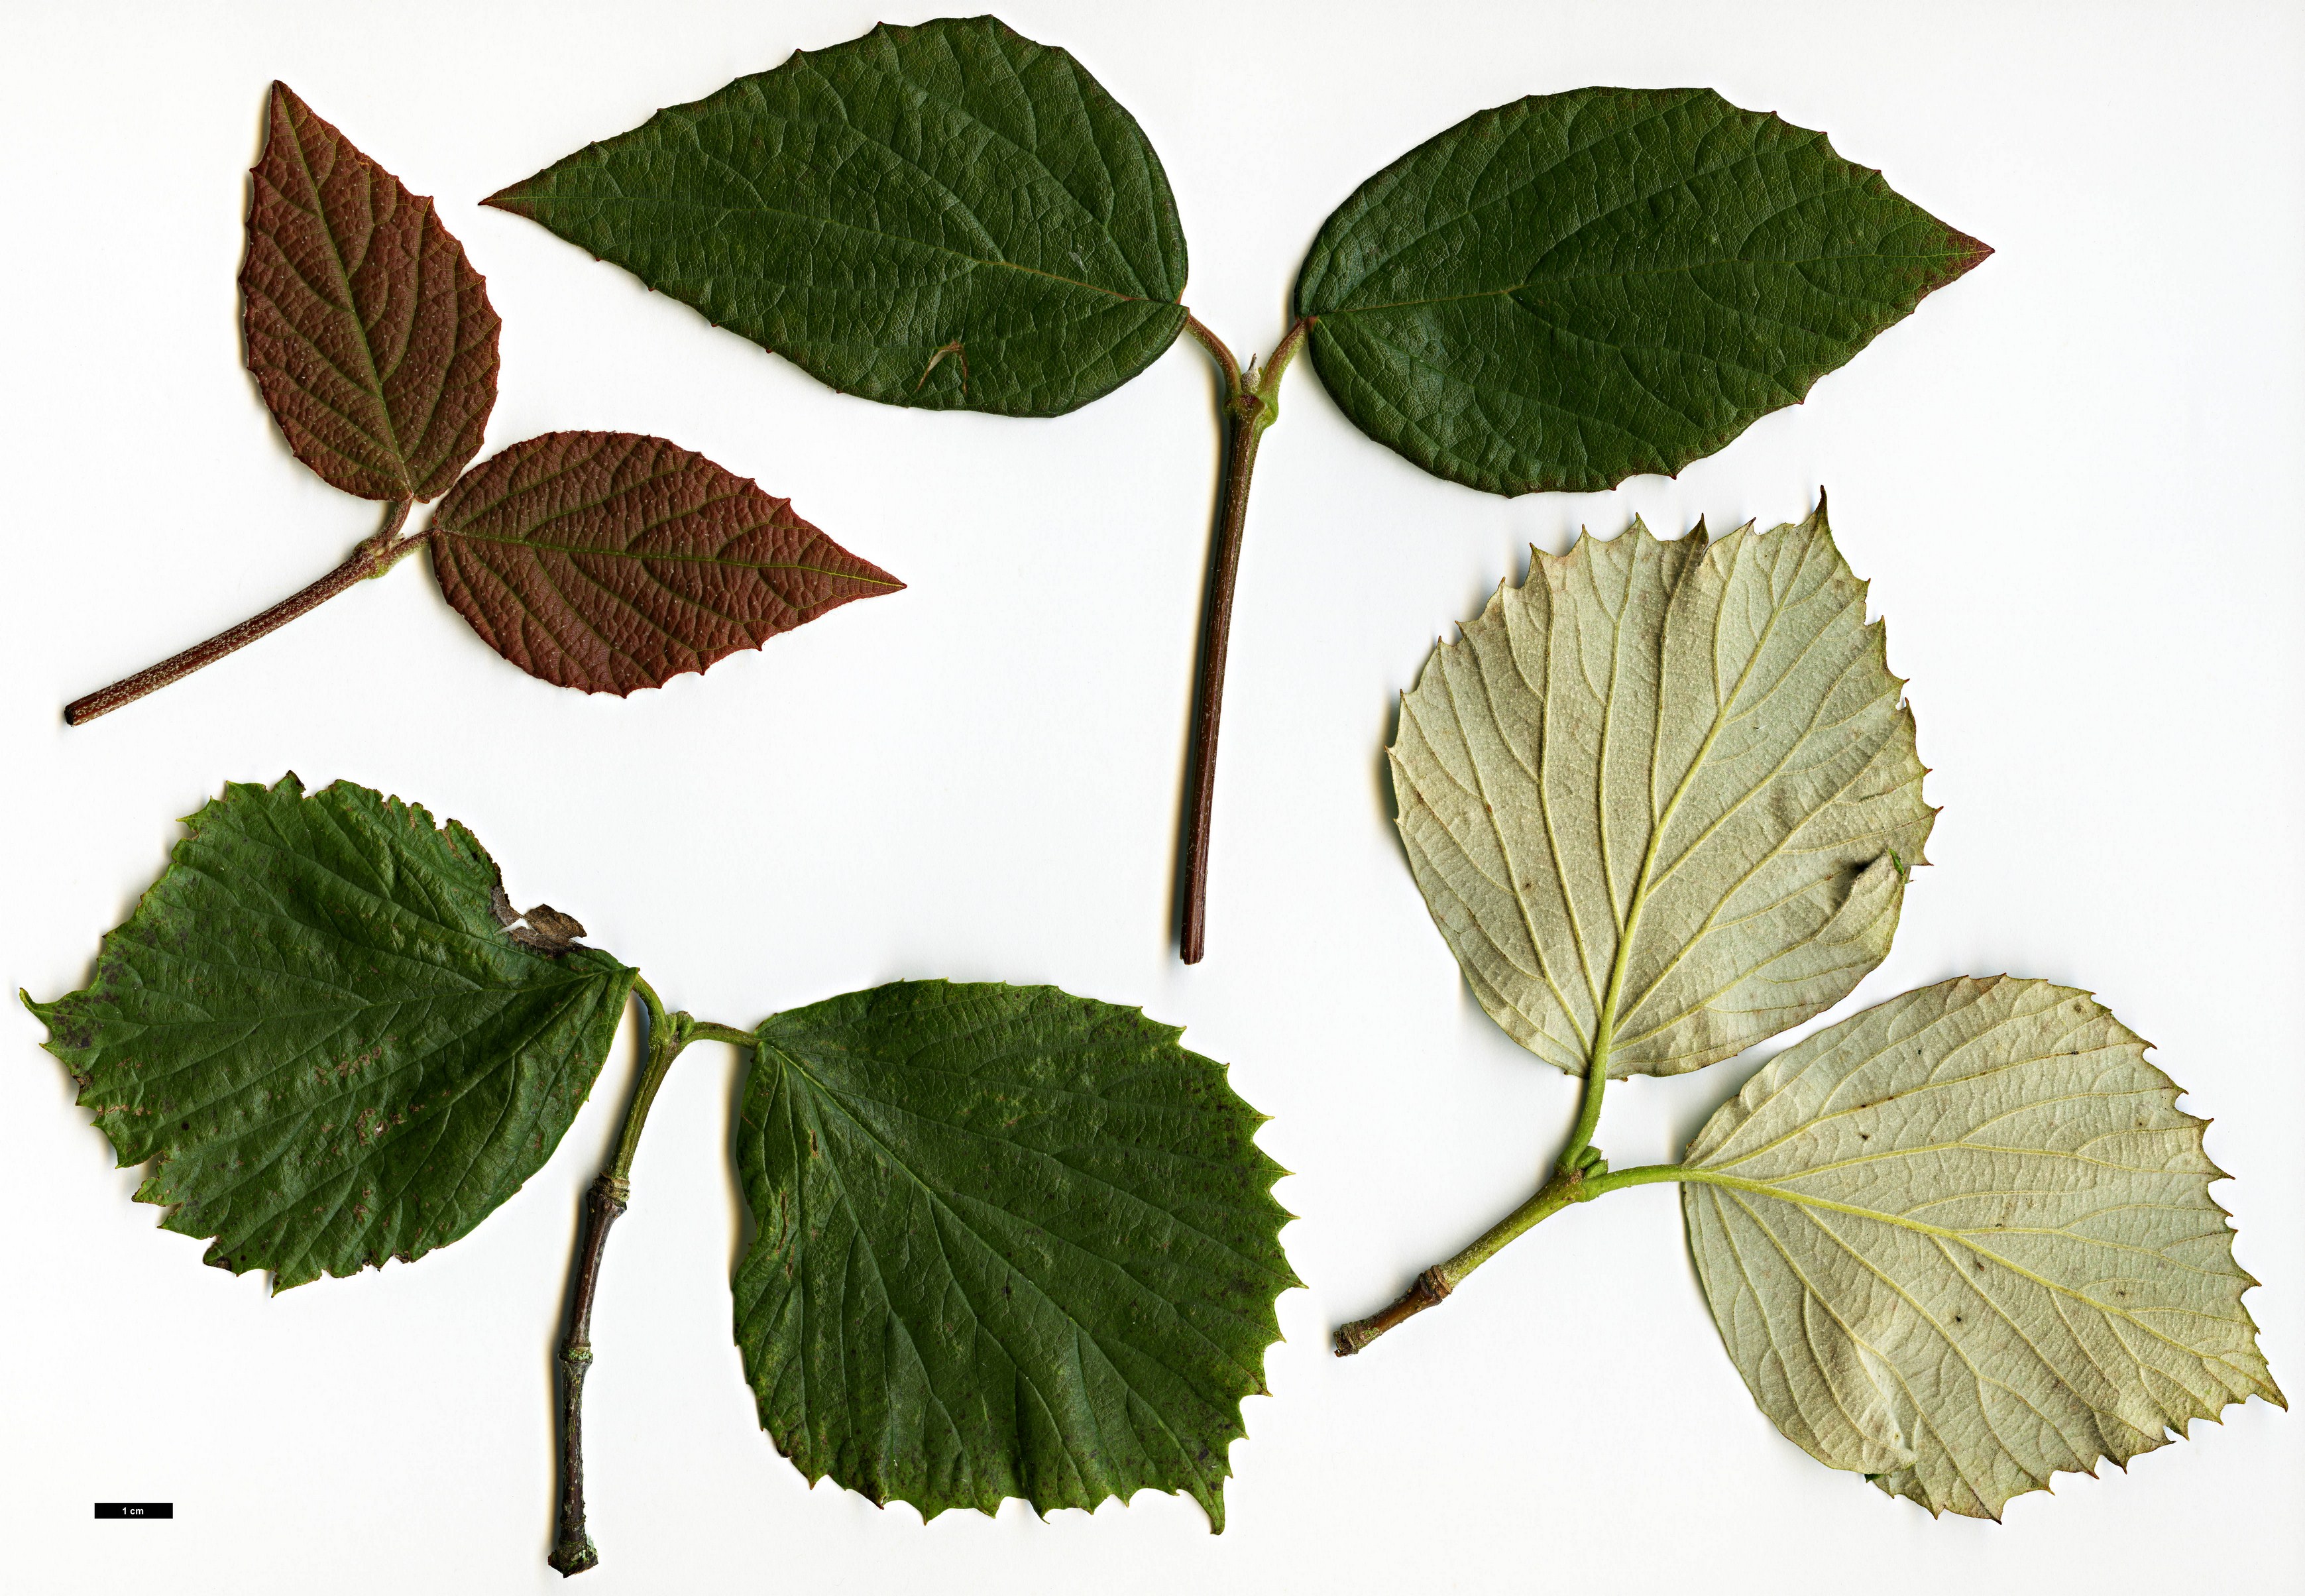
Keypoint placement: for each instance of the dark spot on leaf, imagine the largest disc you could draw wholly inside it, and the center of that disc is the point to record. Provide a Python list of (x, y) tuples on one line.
[(548, 931)]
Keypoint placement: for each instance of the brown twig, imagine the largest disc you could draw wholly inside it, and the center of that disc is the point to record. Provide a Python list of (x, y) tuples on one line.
[(1249, 407), (573, 1551), (373, 558)]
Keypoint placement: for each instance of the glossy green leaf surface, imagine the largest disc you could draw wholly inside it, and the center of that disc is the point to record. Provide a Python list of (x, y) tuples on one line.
[(1964, 1240), (948, 216), (318, 1033), (1574, 289), (1011, 1242), (1662, 799)]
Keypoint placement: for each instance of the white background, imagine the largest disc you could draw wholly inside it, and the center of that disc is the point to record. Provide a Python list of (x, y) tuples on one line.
[(2074, 479)]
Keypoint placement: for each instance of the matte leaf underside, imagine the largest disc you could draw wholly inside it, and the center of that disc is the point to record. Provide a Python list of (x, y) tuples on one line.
[(611, 562), (368, 332), (1011, 1242), (317, 1032), (949, 216), (1964, 1240), (1565, 291), (1661, 799)]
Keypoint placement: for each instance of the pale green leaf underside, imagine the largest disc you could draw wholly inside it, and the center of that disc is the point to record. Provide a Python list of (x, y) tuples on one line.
[(318, 1035), (1661, 799), (1012, 1242), (1964, 1240), (949, 216), (1573, 288)]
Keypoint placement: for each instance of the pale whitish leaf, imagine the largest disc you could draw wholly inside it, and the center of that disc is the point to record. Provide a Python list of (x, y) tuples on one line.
[(1662, 799), (1964, 1240)]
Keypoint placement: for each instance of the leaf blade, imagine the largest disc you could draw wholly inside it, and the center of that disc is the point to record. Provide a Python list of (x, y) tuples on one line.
[(949, 217), (611, 561), (1665, 793), (368, 333), (318, 1035), (1576, 288), (1961, 1341), (1068, 1248)]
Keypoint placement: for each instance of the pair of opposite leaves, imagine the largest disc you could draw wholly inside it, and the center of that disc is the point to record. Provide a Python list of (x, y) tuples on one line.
[(1556, 294), (1010, 1242), (1662, 801), (603, 561)]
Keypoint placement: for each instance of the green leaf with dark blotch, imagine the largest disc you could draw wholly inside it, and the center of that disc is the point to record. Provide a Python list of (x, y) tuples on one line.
[(1574, 289), (1012, 1242), (611, 562), (368, 332), (318, 1033), (1964, 1240), (949, 216)]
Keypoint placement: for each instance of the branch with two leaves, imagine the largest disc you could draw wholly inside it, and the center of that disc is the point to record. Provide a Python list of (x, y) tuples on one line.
[(1555, 294), (1007, 1242), (1551, 295), (1664, 801), (609, 562)]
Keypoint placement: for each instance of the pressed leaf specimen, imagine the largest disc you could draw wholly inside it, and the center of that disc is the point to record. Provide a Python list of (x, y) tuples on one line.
[(1010, 1241), (1556, 294), (1662, 801), (600, 560)]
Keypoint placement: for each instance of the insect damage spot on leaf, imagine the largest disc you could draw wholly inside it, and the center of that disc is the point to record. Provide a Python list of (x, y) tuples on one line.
[(547, 931), (313, 971)]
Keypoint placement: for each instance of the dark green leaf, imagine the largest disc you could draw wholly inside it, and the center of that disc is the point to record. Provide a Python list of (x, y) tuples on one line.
[(1012, 1242), (948, 216), (1574, 289), (318, 1035)]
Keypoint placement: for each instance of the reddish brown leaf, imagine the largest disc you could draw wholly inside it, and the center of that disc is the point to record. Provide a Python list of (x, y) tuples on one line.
[(609, 562), (368, 332)]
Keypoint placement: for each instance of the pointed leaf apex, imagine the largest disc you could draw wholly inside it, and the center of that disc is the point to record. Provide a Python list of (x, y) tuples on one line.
[(338, 250), (969, 1088), (1503, 735), (1475, 324), (611, 561), (1073, 250), (2016, 1060)]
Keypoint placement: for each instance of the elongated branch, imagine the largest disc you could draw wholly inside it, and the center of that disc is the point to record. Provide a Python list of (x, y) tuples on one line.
[(1250, 405), (1431, 1287), (1581, 1175), (572, 1551), (374, 557)]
